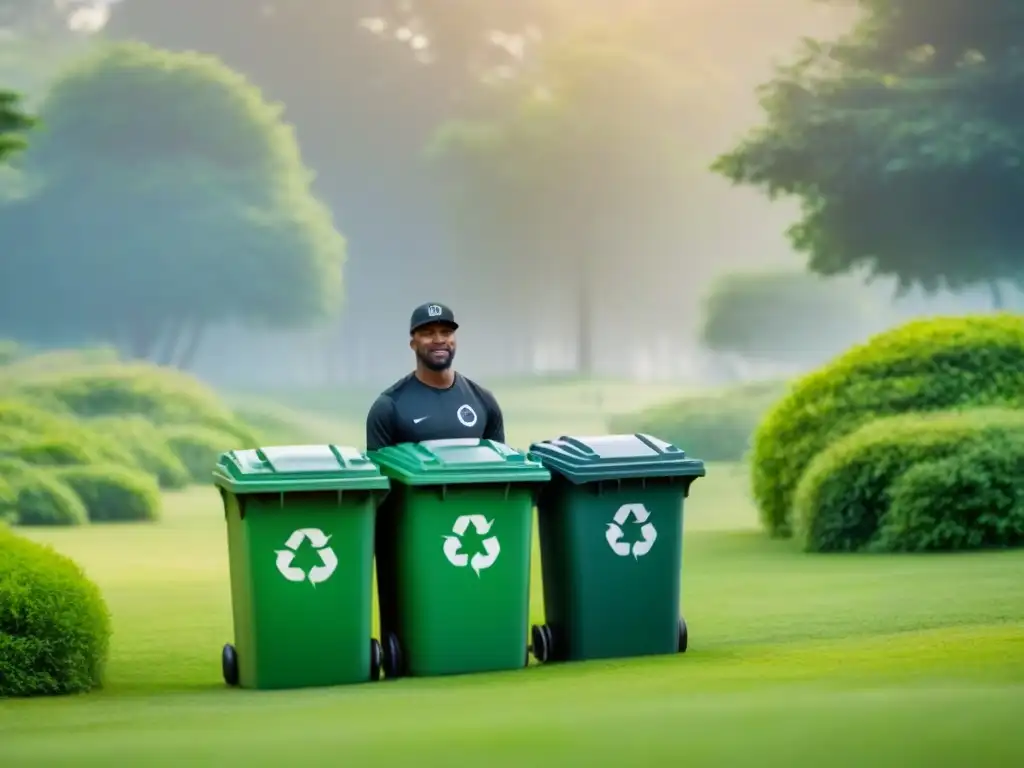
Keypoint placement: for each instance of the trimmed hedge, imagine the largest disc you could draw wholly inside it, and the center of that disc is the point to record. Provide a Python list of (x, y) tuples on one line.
[(198, 449), (113, 493), (714, 427), (148, 447), (49, 438), (36, 498), (923, 366), (163, 396), (844, 501), (974, 500), (54, 624)]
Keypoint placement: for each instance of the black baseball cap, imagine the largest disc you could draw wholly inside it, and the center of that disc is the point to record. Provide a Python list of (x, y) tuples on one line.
[(425, 314)]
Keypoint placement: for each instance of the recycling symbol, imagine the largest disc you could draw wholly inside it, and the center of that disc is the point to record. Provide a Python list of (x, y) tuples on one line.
[(453, 544), (615, 533), (317, 574)]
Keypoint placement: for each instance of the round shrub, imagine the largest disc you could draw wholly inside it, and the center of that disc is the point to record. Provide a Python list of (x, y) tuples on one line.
[(161, 395), (843, 500), (198, 449), (36, 498), (54, 436), (712, 427), (54, 624), (974, 500), (923, 366), (148, 447), (112, 493)]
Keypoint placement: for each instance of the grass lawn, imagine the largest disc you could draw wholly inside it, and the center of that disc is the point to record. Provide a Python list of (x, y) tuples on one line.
[(794, 659)]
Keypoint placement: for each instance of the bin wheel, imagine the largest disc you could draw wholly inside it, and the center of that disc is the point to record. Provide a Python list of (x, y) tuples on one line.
[(684, 636), (229, 664), (376, 658), (392, 656), (540, 635)]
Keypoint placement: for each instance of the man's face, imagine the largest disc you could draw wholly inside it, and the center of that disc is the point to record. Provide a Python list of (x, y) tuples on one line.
[(434, 345)]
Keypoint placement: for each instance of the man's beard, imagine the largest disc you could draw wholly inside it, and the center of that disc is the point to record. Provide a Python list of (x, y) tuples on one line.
[(435, 365)]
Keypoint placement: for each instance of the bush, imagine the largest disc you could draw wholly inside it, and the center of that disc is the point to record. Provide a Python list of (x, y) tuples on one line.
[(8, 501), (843, 501), (54, 624), (148, 447), (37, 498), (923, 366), (198, 449), (112, 493), (163, 396), (54, 438), (712, 427), (974, 500)]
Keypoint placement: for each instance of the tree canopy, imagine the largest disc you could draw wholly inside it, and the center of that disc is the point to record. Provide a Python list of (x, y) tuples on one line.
[(171, 195), (903, 140), (13, 124)]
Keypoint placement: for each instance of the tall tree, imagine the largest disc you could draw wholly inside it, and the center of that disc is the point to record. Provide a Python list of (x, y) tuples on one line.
[(172, 197), (903, 141), (574, 196)]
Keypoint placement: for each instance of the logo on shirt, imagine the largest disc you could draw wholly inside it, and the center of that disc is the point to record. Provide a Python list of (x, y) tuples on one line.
[(466, 416), (433, 311)]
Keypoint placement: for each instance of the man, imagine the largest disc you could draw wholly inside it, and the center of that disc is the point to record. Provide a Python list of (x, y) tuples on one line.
[(433, 402)]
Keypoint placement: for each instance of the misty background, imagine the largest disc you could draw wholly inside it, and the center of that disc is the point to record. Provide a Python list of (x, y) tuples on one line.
[(375, 89)]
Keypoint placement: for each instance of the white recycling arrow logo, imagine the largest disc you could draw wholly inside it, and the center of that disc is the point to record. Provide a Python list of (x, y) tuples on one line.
[(317, 574), (453, 544), (615, 533)]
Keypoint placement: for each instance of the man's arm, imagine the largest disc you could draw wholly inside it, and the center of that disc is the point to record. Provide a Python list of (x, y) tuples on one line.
[(380, 424), (495, 429)]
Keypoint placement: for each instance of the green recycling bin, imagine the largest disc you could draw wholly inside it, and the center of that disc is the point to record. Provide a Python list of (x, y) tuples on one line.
[(300, 523), (454, 539), (610, 526)]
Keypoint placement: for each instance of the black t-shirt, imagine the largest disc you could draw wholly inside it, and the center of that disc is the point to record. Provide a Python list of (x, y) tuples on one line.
[(410, 411)]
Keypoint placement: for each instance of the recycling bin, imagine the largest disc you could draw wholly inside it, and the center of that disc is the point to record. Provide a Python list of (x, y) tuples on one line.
[(300, 523), (454, 540), (610, 525)]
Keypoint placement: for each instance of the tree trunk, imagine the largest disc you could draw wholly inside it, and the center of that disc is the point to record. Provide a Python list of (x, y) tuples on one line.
[(584, 321), (998, 301), (194, 338)]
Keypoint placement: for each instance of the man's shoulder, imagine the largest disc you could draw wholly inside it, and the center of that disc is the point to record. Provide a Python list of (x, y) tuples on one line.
[(479, 389), (397, 388)]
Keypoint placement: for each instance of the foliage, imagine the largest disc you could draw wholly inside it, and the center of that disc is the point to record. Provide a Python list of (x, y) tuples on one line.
[(846, 500), (974, 500), (162, 395), (113, 493), (713, 427), (26, 429), (37, 498), (784, 315), (206, 191), (147, 445), (922, 366), (198, 449), (13, 123), (54, 624), (902, 144)]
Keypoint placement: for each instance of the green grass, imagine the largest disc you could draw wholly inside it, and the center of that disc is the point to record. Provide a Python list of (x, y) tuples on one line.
[(850, 660)]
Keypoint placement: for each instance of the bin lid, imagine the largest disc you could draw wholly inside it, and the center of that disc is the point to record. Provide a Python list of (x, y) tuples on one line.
[(458, 460), (613, 457), (298, 468)]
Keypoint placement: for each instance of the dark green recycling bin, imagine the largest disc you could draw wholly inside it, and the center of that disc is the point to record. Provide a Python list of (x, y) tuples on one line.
[(454, 539), (300, 523), (610, 525)]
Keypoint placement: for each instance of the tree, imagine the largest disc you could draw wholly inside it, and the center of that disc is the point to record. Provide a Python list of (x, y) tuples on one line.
[(13, 123), (903, 140), (172, 196), (574, 196), (786, 315)]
